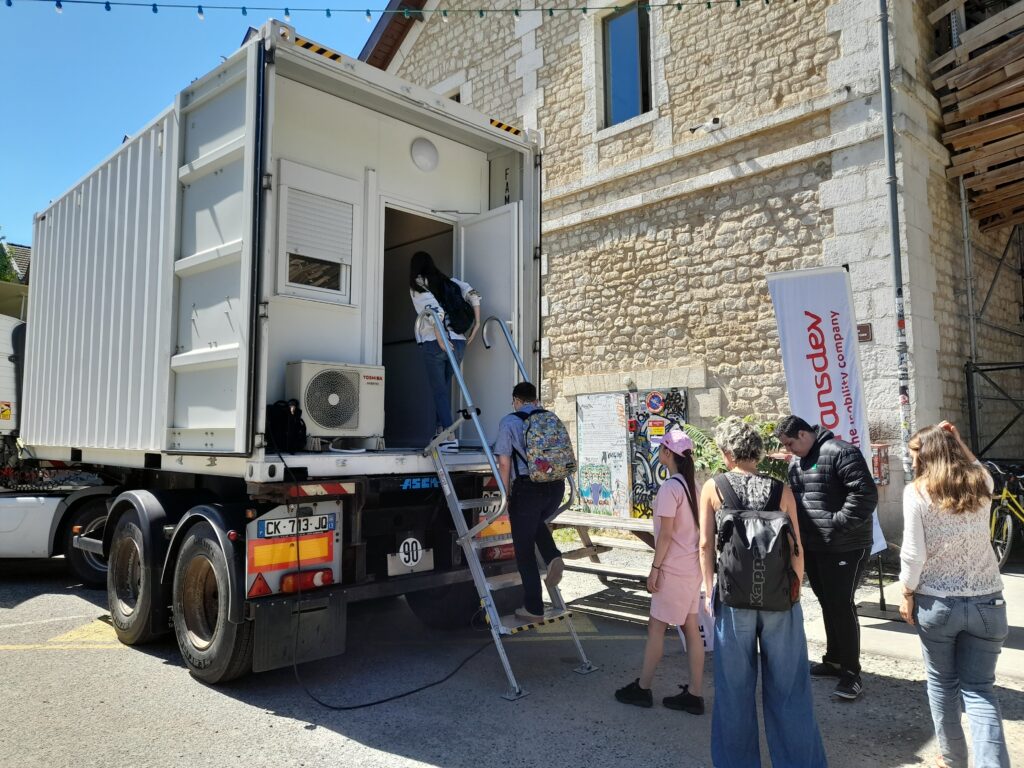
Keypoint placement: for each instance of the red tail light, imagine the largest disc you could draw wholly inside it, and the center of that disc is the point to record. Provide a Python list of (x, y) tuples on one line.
[(305, 580)]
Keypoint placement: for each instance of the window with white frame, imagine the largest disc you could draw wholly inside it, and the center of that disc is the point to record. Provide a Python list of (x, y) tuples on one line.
[(320, 233), (626, 46)]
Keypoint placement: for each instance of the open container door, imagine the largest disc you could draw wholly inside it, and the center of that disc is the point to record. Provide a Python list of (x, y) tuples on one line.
[(487, 256)]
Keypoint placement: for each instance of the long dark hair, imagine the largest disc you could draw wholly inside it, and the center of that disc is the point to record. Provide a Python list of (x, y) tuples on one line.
[(421, 265), (683, 465)]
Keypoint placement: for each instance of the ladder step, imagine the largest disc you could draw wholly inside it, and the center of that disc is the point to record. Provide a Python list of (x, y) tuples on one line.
[(511, 625), (479, 503), (504, 580), (491, 541)]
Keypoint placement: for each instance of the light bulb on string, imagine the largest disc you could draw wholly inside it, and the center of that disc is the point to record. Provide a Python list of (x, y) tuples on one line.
[(155, 9), (369, 17), (481, 12), (444, 16), (327, 11), (106, 6), (8, 3), (199, 13), (58, 7), (405, 12), (244, 11), (287, 15)]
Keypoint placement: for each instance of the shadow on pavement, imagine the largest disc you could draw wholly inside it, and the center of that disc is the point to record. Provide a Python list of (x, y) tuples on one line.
[(21, 580)]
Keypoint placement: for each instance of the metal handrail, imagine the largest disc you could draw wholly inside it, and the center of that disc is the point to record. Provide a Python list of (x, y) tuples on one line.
[(508, 337), (473, 413)]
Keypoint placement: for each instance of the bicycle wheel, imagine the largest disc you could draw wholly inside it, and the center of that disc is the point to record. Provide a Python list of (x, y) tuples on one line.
[(1002, 525)]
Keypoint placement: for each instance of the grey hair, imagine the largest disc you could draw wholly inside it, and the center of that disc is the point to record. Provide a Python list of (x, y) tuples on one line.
[(739, 439)]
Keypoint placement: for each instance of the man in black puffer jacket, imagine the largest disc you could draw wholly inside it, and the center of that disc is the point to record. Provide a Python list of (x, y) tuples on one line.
[(835, 496)]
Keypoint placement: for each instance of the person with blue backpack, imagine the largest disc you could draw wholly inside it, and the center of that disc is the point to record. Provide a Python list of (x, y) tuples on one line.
[(750, 546), (534, 457), (458, 305)]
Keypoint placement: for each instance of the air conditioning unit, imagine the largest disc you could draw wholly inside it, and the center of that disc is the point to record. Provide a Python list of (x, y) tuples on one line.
[(338, 400)]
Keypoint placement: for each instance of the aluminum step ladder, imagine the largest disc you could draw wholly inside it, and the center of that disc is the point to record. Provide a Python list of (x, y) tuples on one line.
[(490, 509)]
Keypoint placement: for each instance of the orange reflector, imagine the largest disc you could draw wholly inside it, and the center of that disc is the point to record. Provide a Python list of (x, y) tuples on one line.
[(259, 587), (76, 529), (274, 554)]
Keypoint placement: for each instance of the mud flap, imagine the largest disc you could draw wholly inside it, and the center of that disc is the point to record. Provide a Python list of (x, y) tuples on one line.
[(319, 619)]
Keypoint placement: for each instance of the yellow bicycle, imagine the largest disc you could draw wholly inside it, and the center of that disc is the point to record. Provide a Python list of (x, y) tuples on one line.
[(1007, 513)]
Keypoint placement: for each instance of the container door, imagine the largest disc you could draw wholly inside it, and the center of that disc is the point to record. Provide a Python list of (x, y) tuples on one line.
[(212, 268), (488, 257)]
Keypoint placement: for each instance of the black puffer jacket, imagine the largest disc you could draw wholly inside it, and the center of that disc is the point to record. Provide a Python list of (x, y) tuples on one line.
[(835, 495)]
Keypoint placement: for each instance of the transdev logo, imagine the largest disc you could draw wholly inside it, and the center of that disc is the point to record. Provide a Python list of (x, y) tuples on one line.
[(420, 483)]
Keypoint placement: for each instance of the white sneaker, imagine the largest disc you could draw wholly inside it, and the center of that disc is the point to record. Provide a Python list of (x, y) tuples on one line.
[(449, 446), (555, 569)]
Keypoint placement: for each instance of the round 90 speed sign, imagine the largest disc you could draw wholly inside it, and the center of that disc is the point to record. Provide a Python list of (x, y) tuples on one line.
[(410, 552)]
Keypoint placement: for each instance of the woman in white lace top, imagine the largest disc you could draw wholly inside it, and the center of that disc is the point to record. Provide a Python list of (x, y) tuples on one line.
[(952, 591)]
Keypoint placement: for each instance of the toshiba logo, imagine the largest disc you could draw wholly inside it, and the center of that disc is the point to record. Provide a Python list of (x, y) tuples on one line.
[(369, 379)]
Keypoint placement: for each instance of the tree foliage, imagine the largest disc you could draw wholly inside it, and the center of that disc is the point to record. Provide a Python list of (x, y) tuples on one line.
[(708, 459)]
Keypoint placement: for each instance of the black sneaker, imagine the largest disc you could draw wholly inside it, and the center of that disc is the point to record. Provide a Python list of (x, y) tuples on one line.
[(685, 701), (634, 694), (849, 687), (826, 669)]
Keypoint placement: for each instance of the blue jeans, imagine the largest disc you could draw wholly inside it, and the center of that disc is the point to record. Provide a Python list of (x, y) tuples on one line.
[(961, 638), (789, 722), (439, 378)]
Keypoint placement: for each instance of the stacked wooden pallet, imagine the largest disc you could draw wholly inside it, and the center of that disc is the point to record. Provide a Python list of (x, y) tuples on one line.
[(980, 84)]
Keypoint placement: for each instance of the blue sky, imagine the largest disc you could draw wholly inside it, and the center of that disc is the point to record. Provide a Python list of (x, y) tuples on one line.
[(73, 84)]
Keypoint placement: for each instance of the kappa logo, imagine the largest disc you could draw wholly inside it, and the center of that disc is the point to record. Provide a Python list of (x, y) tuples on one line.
[(757, 589)]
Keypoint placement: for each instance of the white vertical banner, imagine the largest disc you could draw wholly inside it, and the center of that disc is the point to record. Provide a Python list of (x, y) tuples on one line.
[(818, 334)]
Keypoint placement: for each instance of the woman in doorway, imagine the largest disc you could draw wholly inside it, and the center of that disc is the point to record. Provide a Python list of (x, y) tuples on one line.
[(953, 592), (429, 289), (674, 581), (748, 638)]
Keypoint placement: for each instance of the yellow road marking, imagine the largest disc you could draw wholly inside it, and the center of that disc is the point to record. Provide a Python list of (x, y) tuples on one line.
[(96, 633)]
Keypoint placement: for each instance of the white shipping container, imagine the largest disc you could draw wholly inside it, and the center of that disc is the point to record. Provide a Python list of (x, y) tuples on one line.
[(267, 218)]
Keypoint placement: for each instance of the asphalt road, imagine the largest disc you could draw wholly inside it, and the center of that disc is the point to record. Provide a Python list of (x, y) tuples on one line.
[(73, 696)]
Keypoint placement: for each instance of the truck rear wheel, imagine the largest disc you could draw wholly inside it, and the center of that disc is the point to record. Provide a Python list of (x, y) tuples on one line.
[(214, 649), (87, 566), (129, 594)]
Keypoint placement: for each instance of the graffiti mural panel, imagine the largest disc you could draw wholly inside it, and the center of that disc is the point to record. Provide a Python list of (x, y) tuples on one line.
[(651, 415)]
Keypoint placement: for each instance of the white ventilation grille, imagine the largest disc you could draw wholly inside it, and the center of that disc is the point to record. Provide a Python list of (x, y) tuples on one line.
[(332, 399)]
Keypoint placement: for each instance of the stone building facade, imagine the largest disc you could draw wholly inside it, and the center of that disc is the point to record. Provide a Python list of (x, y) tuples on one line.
[(659, 232)]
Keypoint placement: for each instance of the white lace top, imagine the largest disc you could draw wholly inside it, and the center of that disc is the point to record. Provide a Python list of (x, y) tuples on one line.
[(946, 555)]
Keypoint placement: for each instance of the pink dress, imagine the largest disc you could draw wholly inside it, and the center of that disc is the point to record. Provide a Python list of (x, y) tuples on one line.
[(679, 587)]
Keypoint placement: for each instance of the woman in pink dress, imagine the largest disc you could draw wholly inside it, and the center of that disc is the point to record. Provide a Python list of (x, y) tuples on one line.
[(675, 579)]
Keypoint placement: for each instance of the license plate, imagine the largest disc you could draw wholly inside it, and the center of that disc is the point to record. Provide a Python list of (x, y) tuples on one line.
[(292, 526)]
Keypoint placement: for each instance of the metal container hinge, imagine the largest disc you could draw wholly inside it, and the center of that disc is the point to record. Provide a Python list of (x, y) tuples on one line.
[(268, 181), (263, 311), (536, 253), (269, 54), (260, 440), (537, 160), (536, 345)]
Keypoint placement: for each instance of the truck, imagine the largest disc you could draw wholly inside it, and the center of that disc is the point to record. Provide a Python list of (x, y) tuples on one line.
[(240, 263)]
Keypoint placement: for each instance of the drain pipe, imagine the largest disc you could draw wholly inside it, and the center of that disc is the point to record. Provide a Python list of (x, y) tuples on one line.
[(902, 352)]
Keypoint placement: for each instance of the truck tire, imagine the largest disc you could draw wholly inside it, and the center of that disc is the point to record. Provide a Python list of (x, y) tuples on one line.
[(214, 649), (448, 607), (129, 593), (87, 566)]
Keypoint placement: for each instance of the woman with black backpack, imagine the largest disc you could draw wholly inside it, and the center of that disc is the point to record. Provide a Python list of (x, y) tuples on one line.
[(758, 619), (459, 308)]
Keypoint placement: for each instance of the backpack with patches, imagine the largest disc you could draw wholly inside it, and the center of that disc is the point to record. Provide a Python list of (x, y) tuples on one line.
[(755, 547), (549, 455), (458, 312)]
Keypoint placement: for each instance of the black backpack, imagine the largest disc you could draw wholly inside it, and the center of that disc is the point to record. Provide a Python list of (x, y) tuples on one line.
[(755, 547), (286, 431), (458, 312)]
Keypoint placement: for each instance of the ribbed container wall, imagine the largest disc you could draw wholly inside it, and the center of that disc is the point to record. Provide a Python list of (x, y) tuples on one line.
[(99, 311)]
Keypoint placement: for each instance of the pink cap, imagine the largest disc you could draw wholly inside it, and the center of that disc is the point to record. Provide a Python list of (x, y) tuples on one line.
[(677, 441)]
